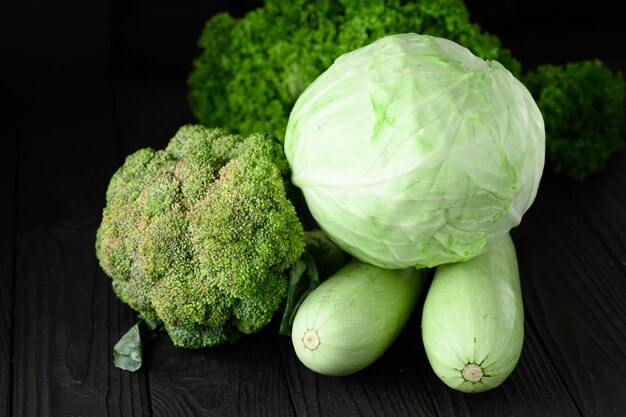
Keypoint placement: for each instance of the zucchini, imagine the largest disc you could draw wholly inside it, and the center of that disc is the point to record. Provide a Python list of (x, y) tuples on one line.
[(354, 316), (473, 319)]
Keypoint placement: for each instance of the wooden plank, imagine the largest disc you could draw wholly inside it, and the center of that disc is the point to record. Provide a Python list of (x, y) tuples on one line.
[(66, 318), (575, 289), (8, 169), (243, 378), (64, 339), (601, 201)]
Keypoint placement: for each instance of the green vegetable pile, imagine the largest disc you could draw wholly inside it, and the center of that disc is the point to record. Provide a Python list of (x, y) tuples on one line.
[(413, 153), (252, 70), (409, 157)]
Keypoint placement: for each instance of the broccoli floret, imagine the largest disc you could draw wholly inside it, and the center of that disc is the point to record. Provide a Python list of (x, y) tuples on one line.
[(583, 108), (253, 69), (198, 236)]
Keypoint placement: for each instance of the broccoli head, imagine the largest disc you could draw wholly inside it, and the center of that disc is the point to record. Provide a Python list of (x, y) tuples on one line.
[(583, 108), (198, 236), (252, 70)]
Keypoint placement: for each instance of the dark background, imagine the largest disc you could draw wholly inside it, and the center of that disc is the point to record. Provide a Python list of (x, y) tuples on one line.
[(61, 47), (85, 83), (58, 52)]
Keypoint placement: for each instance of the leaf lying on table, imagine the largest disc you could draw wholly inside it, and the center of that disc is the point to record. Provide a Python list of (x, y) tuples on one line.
[(128, 351)]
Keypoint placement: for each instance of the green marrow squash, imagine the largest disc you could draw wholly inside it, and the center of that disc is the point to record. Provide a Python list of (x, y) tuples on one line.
[(473, 319), (354, 316)]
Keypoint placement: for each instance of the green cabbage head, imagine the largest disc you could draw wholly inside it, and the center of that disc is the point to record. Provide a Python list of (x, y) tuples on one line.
[(413, 151)]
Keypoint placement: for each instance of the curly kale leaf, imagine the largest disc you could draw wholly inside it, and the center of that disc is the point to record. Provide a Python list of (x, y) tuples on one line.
[(583, 108)]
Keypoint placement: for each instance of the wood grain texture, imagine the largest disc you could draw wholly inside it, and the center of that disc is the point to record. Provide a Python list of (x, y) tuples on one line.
[(242, 379), (66, 319), (602, 205), (8, 181), (575, 289)]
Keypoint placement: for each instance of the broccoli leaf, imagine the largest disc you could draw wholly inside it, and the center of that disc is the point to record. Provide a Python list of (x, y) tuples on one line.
[(321, 258), (303, 278), (128, 351)]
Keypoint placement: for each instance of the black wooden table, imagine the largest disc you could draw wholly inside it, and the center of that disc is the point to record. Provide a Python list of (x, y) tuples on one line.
[(119, 86)]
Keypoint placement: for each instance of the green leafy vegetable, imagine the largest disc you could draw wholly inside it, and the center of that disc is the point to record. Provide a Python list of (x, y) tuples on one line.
[(583, 108), (327, 256), (199, 236), (128, 351), (252, 70), (414, 151), (303, 278), (320, 260)]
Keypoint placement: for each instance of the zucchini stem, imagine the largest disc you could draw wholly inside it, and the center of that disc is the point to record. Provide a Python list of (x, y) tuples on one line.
[(311, 339), (472, 373)]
